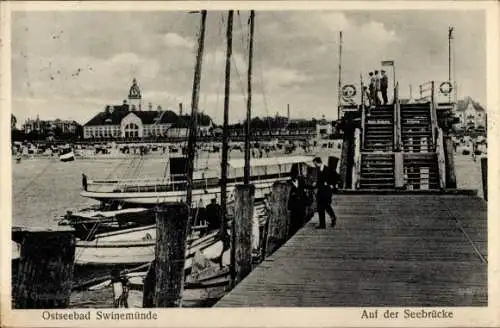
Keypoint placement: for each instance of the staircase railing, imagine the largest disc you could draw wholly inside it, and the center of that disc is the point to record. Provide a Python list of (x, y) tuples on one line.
[(434, 124), (356, 171), (363, 115), (441, 158), (397, 120), (438, 139)]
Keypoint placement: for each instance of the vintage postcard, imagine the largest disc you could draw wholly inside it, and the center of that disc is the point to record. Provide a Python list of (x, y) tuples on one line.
[(227, 164)]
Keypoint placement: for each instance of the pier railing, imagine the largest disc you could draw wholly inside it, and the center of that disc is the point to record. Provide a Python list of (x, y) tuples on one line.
[(441, 158), (434, 121), (363, 115), (356, 172)]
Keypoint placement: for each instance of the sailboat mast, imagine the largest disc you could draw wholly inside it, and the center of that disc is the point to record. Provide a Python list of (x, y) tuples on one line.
[(225, 133), (339, 91), (246, 177), (193, 131)]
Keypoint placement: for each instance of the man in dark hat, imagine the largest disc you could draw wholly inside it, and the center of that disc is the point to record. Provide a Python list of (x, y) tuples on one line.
[(325, 185), (384, 81)]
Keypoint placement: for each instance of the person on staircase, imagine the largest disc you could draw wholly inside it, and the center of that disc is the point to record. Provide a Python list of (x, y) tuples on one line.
[(325, 185), (372, 89), (384, 81), (366, 97), (377, 88)]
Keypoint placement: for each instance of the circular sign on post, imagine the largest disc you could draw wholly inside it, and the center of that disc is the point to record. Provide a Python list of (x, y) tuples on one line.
[(445, 88), (348, 91)]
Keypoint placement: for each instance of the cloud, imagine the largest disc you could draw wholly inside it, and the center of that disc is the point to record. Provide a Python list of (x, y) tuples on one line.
[(281, 77), (74, 63), (174, 40)]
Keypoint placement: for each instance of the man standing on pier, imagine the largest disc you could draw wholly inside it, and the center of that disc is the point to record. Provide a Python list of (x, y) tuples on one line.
[(325, 184)]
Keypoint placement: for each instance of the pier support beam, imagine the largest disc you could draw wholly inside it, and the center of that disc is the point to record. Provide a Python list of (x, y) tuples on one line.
[(171, 228), (484, 175), (449, 152), (241, 250), (399, 175), (279, 220), (45, 273)]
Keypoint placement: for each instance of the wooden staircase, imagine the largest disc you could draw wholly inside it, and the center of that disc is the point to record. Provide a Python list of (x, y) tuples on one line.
[(416, 160), (421, 171), (416, 128), (419, 157), (377, 160), (379, 125), (377, 171)]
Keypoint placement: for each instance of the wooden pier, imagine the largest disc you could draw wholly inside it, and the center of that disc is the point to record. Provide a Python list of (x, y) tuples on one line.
[(405, 249)]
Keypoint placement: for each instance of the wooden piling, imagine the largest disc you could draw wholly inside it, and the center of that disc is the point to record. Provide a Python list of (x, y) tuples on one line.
[(241, 249), (451, 179), (344, 163), (171, 228), (310, 179), (45, 273), (148, 291), (484, 175), (279, 220)]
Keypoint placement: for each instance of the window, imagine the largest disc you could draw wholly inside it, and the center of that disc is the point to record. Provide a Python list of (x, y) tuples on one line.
[(131, 130)]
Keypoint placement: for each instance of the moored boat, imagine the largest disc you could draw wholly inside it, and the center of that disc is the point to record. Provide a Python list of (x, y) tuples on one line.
[(264, 172), (90, 222), (136, 246)]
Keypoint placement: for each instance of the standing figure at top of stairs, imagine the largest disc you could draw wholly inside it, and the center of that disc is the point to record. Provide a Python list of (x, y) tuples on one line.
[(384, 81)]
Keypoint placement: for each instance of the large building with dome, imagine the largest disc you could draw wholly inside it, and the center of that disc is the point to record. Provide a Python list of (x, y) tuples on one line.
[(129, 121)]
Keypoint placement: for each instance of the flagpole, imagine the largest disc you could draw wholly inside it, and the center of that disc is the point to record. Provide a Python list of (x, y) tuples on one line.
[(450, 37), (450, 31), (340, 76)]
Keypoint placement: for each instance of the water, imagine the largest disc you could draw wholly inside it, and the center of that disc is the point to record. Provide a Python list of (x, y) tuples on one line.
[(43, 189)]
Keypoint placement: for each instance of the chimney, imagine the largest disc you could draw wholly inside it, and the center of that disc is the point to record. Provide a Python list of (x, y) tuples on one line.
[(180, 109), (288, 112), (150, 106)]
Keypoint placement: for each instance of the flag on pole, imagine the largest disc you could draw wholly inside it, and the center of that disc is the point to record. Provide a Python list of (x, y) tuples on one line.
[(388, 63)]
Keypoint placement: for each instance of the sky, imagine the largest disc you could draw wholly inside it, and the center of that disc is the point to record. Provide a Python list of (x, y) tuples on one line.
[(70, 65)]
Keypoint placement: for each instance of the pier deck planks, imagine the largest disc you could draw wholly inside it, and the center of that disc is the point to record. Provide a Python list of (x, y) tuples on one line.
[(387, 250)]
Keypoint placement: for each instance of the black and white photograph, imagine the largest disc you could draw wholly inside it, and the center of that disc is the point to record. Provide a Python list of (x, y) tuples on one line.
[(245, 157)]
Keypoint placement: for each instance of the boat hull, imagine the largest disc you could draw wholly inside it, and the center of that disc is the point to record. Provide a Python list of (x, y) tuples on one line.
[(201, 197), (136, 247)]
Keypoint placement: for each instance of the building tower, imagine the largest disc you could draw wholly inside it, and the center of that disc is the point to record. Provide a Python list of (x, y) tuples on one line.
[(134, 96)]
